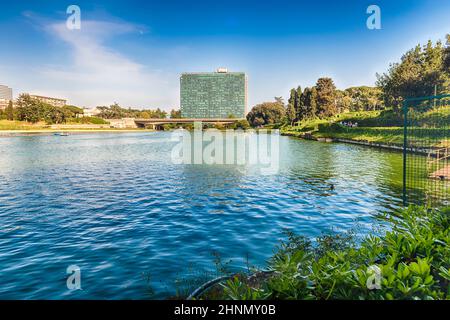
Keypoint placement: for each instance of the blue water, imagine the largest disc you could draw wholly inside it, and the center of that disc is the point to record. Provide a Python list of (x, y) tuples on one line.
[(115, 205)]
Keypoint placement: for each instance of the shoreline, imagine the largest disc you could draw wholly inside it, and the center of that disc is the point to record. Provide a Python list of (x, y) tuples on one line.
[(16, 133), (379, 145), (303, 136)]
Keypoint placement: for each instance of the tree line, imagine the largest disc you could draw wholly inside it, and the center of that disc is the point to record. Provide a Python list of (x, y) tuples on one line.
[(117, 112), (422, 71), (320, 101), (325, 100), (27, 108), (33, 110)]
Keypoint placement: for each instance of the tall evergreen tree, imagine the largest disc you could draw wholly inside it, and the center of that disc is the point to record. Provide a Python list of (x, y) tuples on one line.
[(299, 105), (314, 109), (309, 103), (292, 102), (447, 57), (291, 114), (306, 103), (326, 97), (9, 111)]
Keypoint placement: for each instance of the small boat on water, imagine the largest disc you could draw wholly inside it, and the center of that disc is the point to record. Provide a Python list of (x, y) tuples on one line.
[(61, 134)]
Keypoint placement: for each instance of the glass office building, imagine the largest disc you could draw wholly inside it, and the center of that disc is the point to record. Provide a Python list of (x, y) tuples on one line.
[(220, 94)]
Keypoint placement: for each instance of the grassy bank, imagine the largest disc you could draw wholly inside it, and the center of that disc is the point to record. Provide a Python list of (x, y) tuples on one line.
[(410, 261), (21, 125), (374, 126), (8, 127)]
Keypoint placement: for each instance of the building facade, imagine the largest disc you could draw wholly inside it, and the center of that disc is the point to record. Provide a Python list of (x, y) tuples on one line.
[(91, 112), (6, 96), (208, 95), (4, 104), (51, 101)]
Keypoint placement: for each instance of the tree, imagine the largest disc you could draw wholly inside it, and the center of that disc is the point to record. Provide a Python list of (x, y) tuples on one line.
[(291, 107), (305, 112), (72, 111), (53, 114), (343, 101), (145, 115), (117, 112), (241, 124), (420, 71), (309, 103), (114, 111), (175, 114), (313, 103), (9, 111), (280, 100), (266, 113), (362, 98), (326, 97), (292, 97), (159, 114), (298, 103), (447, 57), (291, 114), (33, 110), (29, 109), (295, 103)]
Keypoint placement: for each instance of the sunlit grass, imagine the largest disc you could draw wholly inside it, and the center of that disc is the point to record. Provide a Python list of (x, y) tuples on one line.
[(21, 125), (378, 127)]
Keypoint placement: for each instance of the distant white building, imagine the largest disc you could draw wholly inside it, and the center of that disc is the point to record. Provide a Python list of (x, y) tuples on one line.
[(3, 104), (56, 102), (91, 112), (122, 123)]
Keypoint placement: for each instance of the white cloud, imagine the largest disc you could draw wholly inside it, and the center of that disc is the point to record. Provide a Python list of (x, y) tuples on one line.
[(96, 74)]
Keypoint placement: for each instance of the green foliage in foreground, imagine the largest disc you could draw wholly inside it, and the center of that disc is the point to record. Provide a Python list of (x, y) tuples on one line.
[(413, 257)]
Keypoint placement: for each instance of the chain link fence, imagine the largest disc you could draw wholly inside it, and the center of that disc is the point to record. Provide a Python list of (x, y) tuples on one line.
[(426, 151)]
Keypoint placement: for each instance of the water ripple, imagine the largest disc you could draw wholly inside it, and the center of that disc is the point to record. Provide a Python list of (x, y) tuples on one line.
[(115, 206)]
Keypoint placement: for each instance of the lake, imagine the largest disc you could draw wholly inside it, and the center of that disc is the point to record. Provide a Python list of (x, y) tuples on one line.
[(138, 226)]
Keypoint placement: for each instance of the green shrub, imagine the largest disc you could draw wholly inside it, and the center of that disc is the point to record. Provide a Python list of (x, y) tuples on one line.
[(89, 120), (331, 127), (412, 258)]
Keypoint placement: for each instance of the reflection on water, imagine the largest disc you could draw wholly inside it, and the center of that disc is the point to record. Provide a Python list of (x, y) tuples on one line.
[(114, 205)]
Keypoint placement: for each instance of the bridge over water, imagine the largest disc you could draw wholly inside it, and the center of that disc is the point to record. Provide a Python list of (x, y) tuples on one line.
[(157, 123)]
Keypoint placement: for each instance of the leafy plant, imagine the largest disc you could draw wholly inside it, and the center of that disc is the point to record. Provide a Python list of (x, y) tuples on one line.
[(412, 260)]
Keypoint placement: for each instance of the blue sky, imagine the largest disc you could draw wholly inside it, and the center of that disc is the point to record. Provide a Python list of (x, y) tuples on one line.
[(132, 52)]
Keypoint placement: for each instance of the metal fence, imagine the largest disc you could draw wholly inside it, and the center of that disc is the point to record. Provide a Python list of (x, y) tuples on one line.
[(426, 151)]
